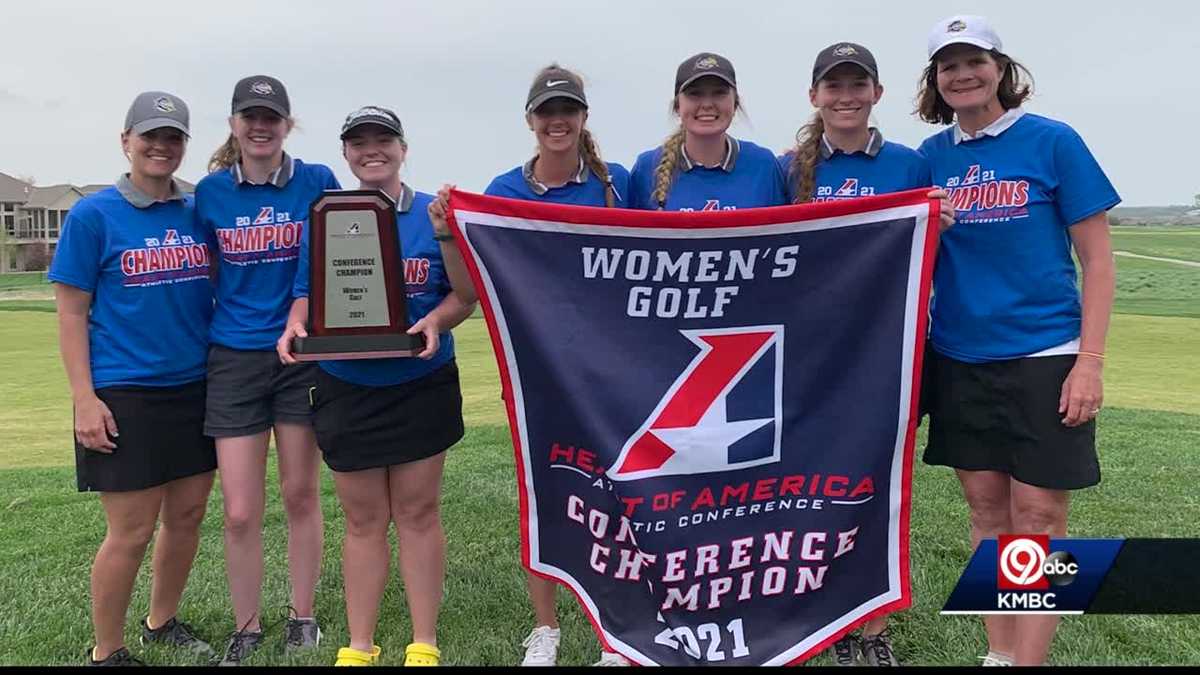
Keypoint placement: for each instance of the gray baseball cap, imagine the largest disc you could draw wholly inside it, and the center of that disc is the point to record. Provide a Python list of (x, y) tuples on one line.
[(261, 91), (555, 82), (157, 109), (844, 52), (704, 64), (372, 114)]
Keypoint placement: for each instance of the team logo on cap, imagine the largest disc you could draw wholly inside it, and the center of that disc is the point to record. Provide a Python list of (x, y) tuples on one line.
[(706, 62), (956, 26), (164, 104), (368, 111), (353, 229), (262, 88), (845, 50)]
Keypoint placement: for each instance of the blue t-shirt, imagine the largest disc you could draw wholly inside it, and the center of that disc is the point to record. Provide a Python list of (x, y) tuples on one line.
[(259, 229), (585, 189), (1004, 285), (749, 177), (894, 168), (426, 285), (147, 270)]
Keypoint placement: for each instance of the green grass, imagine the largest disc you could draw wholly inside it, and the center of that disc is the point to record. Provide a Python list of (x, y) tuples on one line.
[(11, 280), (1182, 243), (1148, 439)]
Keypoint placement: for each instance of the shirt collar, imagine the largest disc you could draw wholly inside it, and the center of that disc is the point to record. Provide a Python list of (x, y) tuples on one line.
[(279, 177), (996, 128), (874, 145), (732, 147), (407, 194), (539, 188), (141, 200)]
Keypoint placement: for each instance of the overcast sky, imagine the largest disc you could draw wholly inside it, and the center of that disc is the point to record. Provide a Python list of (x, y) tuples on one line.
[(457, 73)]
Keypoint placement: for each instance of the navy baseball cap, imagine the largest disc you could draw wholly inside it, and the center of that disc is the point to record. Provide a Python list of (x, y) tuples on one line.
[(261, 91), (844, 52), (155, 110)]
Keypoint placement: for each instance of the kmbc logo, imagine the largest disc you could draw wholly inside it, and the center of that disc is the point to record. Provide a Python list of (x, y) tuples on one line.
[(724, 411), (1025, 563)]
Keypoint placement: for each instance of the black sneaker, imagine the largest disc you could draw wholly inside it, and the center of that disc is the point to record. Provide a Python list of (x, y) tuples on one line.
[(121, 657), (241, 644), (175, 634), (300, 634), (846, 650), (878, 650)]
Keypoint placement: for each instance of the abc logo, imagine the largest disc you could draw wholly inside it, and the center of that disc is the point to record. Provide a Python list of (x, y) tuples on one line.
[(1025, 563)]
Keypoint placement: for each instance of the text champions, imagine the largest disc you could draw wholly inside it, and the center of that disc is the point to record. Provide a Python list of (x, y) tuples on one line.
[(675, 276)]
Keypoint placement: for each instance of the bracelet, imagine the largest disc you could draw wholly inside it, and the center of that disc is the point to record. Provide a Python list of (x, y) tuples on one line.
[(1095, 355), (449, 236)]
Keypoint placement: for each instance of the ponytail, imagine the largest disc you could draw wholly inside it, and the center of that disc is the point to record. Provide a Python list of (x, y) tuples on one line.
[(226, 156), (591, 156), (664, 173), (804, 158)]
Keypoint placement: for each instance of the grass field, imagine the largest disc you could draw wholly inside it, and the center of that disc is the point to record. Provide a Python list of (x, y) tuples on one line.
[(1148, 438)]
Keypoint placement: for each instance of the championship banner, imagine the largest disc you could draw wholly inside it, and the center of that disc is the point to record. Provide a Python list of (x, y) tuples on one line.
[(713, 413)]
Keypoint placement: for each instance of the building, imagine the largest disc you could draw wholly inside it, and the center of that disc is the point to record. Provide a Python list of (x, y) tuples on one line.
[(32, 218)]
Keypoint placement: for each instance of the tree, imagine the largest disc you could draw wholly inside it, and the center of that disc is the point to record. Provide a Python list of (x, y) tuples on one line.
[(1196, 201)]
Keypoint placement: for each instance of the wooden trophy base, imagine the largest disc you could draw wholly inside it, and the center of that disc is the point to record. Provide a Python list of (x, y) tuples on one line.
[(343, 347)]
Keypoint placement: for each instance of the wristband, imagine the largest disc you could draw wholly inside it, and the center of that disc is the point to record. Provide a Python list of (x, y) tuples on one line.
[(449, 236), (1095, 355)]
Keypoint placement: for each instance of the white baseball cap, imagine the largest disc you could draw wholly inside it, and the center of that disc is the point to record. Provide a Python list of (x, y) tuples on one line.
[(966, 29)]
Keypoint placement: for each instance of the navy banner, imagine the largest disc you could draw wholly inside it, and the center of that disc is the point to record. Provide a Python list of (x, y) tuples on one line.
[(712, 413)]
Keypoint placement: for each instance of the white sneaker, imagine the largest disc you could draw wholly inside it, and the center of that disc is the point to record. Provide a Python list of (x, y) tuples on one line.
[(541, 647), (612, 659), (995, 659)]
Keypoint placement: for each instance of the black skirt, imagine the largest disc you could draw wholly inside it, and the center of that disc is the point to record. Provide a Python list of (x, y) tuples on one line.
[(360, 427), (160, 439), (1003, 416)]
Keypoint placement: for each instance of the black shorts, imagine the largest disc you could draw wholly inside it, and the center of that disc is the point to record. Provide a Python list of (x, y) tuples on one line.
[(160, 439), (1003, 416), (249, 391), (362, 427)]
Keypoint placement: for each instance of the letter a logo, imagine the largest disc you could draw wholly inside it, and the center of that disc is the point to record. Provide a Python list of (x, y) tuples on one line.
[(724, 412)]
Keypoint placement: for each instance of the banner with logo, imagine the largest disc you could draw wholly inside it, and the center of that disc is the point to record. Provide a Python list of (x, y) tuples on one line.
[(713, 413)]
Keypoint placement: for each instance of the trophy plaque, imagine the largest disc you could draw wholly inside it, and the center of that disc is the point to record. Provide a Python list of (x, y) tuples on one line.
[(356, 301)]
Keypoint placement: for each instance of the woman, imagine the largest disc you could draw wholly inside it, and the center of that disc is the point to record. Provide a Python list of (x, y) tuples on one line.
[(384, 425), (839, 155), (134, 303), (1014, 375), (700, 167), (254, 204), (567, 169)]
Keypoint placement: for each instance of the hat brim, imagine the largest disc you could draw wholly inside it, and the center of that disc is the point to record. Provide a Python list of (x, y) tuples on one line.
[(541, 98), (873, 73), (262, 103), (976, 42), (358, 124), (699, 76), (159, 123)]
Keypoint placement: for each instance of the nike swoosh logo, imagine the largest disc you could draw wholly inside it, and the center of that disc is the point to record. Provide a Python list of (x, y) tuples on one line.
[(555, 83)]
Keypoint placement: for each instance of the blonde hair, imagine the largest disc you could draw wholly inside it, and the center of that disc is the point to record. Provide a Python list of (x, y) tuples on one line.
[(805, 156), (225, 156), (668, 163)]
